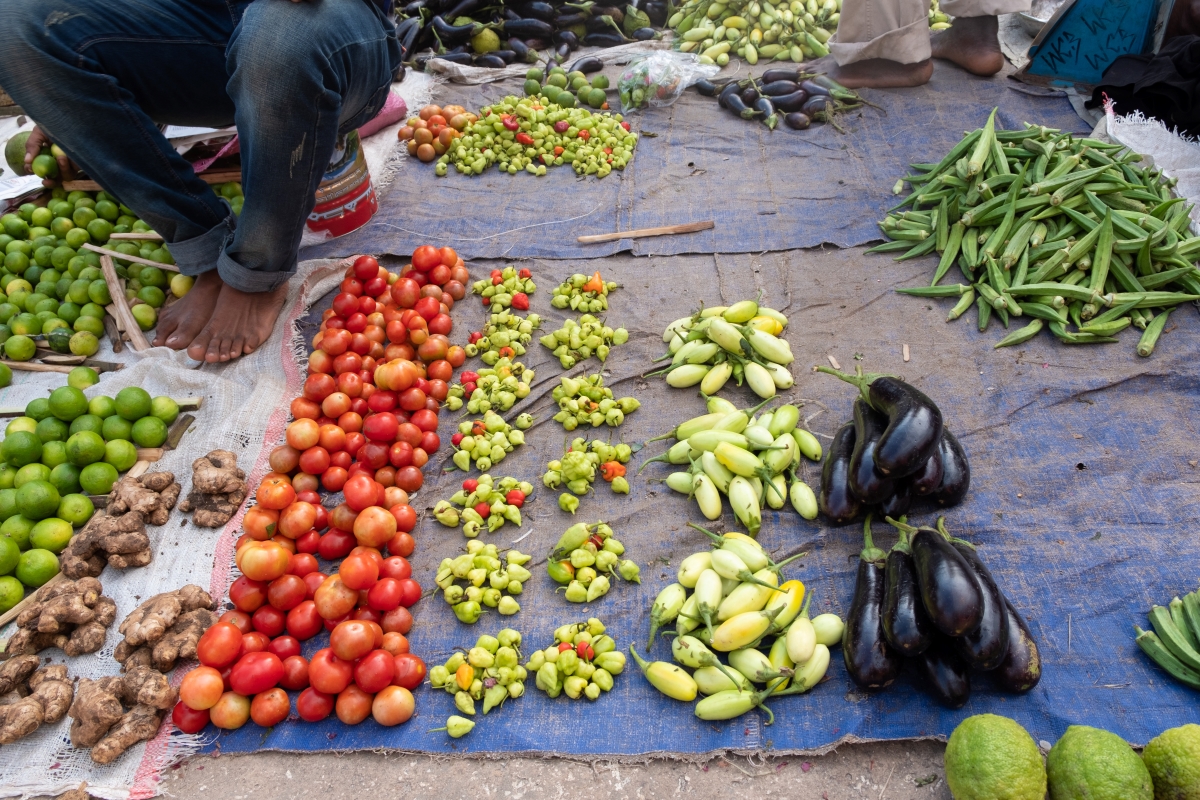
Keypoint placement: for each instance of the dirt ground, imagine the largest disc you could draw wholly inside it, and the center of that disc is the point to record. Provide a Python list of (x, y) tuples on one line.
[(881, 771)]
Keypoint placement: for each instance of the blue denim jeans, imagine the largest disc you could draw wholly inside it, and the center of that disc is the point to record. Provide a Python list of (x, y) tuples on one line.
[(100, 75)]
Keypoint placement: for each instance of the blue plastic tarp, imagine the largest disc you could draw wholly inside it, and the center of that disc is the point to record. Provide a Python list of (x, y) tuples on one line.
[(1083, 503)]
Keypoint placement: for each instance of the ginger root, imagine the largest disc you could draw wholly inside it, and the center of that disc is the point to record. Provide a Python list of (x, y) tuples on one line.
[(70, 615), (165, 628), (49, 696), (99, 719), (150, 496), (218, 489), (118, 536)]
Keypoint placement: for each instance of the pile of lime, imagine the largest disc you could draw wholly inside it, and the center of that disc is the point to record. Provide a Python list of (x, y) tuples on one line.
[(65, 448)]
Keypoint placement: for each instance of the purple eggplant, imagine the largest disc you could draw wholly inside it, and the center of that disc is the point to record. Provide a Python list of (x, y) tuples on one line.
[(1022, 666), (537, 10), (945, 674), (453, 34), (956, 472), (814, 89), (900, 501), (868, 484), (796, 120), (565, 37), (750, 95), (490, 60), (870, 661), (645, 34), (949, 589), (789, 103), (778, 88), (836, 501), (905, 623), (928, 478), (603, 39), (528, 28), (587, 65), (780, 74), (986, 646)]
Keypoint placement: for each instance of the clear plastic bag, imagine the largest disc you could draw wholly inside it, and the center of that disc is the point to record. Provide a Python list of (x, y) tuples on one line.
[(657, 79)]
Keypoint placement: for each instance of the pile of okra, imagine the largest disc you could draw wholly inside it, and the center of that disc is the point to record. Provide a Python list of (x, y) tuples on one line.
[(1042, 224)]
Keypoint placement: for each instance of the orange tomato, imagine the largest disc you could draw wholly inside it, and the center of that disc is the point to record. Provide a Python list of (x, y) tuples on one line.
[(276, 493)]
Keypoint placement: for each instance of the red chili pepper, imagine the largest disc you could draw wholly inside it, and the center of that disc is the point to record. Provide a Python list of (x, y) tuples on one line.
[(520, 301), (525, 273), (468, 376), (478, 428), (497, 280), (525, 139), (469, 388), (515, 498), (565, 646), (596, 540), (470, 484), (585, 134), (612, 469), (584, 651), (483, 510), (507, 352), (487, 301), (455, 439), (608, 150), (494, 273), (474, 337), (625, 125), (510, 122)]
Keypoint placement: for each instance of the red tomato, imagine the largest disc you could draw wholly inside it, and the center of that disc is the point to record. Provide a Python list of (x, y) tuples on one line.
[(320, 362), (319, 386), (335, 405), (399, 620), (395, 567), (219, 646), (255, 642), (303, 621), (299, 517), (303, 408), (345, 304), (263, 561), (365, 614), (440, 323), (350, 384), (332, 438), (334, 599), (314, 706), (270, 708), (376, 287), (312, 582), (380, 427), (305, 545), (256, 672), (374, 527), (373, 455), (329, 674), (247, 595), (430, 442), (315, 460), (295, 673), (271, 620), (303, 433), (202, 688), (342, 517), (405, 292), (287, 591), (353, 705), (392, 706), (284, 647), (352, 639), (238, 619), (409, 671), (335, 342), (277, 493), (410, 592), (402, 544), (382, 400), (409, 479), (358, 572), (231, 712), (425, 258), (334, 478), (188, 720), (303, 563), (360, 492), (425, 421), (395, 643), (400, 455), (365, 268), (412, 399), (374, 671), (284, 458), (384, 595)]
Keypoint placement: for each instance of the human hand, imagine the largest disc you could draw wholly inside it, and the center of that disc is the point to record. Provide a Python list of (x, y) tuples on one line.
[(33, 147)]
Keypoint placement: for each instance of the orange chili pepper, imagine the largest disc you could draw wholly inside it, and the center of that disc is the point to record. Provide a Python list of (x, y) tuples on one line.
[(596, 284), (612, 469)]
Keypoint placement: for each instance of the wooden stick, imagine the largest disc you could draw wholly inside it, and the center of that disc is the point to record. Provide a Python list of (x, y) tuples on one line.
[(149, 236), (216, 176), (150, 454), (15, 611), (134, 259), (669, 230), (178, 428), (113, 329), (29, 366), (48, 356), (100, 366), (117, 292)]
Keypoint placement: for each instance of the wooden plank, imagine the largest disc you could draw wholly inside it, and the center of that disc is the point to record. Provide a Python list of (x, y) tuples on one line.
[(117, 291), (30, 366), (667, 230), (135, 259), (213, 177), (15, 611), (148, 236)]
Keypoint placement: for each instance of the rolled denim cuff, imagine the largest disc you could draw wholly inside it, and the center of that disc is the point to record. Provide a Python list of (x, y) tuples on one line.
[(249, 280), (201, 253)]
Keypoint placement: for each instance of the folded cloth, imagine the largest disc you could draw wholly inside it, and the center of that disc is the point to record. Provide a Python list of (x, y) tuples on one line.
[(1164, 85), (394, 109)]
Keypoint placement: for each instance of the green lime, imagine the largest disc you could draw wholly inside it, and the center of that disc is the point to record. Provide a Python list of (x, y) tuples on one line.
[(116, 428), (8, 503), (51, 534), (163, 256), (107, 210), (61, 226), (557, 79), (26, 211), (567, 100), (1091, 764), (85, 201), (28, 424), (16, 262), (5, 375), (32, 300), (37, 499), (24, 246), (61, 208), (121, 453), (21, 448), (61, 257), (20, 348), (990, 757), (165, 409), (600, 82), (8, 477), (102, 406), (53, 454), (84, 343), (7, 312), (68, 312), (88, 324), (181, 284), (78, 291), (149, 432), (14, 226), (85, 448), (83, 216), (65, 478), (17, 528), (30, 473), (98, 293), (52, 429), (82, 378), (10, 554), (77, 237), (532, 87), (44, 166), (41, 256), (38, 408), (596, 98), (152, 276), (36, 567), (67, 403), (152, 296), (88, 422), (1173, 759), (99, 230), (145, 315), (534, 74), (56, 324), (41, 217), (98, 478), (11, 593), (76, 509), (133, 403)]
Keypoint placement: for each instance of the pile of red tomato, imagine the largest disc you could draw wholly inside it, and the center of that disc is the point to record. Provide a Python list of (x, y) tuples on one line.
[(364, 425)]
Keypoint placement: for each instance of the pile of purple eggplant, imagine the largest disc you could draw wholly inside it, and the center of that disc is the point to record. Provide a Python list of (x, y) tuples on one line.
[(496, 33), (802, 98), (894, 454), (932, 602)]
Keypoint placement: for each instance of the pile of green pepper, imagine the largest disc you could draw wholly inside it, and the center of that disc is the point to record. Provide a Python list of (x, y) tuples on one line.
[(585, 400), (490, 671), (481, 567), (581, 293), (486, 442), (484, 502), (499, 386), (585, 560), (579, 341), (582, 662), (576, 470), (1061, 229), (506, 288), (503, 330)]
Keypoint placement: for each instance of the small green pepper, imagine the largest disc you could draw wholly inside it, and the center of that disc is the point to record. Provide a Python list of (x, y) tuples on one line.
[(464, 703), (568, 503), (576, 592), (456, 727), (467, 612), (630, 571), (508, 606), (620, 485)]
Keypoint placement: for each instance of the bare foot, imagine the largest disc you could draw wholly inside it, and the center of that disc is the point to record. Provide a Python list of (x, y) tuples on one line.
[(181, 321), (240, 323), (879, 73), (972, 44)]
